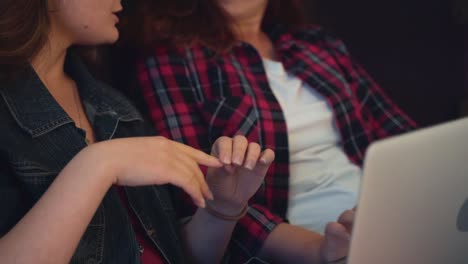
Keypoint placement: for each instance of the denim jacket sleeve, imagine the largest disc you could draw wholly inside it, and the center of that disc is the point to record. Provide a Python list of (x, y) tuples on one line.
[(12, 203)]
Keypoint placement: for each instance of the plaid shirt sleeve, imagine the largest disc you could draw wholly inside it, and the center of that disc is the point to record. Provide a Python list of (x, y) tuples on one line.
[(251, 232), (383, 116)]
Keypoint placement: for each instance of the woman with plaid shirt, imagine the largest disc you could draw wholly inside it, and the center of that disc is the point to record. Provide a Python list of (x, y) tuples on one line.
[(222, 68)]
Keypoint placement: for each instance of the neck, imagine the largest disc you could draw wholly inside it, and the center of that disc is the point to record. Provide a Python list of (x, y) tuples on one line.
[(248, 29), (247, 26), (246, 18), (50, 60)]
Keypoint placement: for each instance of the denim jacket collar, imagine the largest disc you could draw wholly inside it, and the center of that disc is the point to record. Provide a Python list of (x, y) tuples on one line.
[(37, 112)]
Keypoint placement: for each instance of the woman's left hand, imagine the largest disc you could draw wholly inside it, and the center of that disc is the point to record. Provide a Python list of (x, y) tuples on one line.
[(245, 167)]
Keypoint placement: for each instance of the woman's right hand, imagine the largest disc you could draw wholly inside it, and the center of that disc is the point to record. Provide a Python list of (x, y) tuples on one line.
[(65, 210), (155, 161), (337, 238)]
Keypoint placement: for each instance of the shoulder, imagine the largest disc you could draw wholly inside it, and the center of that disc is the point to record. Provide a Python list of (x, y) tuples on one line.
[(318, 36), (12, 130), (107, 98), (106, 91), (6, 115), (163, 53)]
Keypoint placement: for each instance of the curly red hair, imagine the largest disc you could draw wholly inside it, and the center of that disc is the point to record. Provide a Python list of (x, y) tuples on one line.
[(182, 22)]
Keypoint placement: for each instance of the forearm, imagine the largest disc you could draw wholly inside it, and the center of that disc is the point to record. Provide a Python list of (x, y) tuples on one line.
[(51, 230), (292, 244), (206, 237)]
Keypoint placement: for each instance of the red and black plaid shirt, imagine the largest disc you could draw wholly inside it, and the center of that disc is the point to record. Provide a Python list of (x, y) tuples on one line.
[(195, 96)]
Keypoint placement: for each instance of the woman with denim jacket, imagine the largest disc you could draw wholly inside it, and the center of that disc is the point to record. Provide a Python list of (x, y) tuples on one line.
[(68, 141)]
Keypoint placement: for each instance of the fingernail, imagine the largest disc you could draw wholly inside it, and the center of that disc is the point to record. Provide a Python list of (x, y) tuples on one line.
[(263, 161), (202, 203), (237, 160), (226, 160), (250, 165), (210, 195), (348, 237)]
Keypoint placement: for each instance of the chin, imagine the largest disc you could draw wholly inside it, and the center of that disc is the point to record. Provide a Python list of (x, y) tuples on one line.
[(99, 39), (112, 37), (113, 40)]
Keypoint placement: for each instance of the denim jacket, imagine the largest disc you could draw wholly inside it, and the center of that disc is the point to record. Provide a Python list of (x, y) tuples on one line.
[(38, 139)]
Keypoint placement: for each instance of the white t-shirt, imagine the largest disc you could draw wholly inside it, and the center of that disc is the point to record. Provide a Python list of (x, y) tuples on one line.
[(323, 181)]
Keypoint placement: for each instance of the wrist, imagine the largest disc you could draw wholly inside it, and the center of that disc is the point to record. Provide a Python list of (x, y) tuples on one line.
[(225, 217), (228, 209), (94, 161)]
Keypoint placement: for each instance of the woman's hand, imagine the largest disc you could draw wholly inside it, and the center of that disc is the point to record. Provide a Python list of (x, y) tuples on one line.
[(245, 166), (156, 161), (335, 245)]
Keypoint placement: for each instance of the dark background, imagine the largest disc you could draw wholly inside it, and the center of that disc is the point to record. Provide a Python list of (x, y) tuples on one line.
[(415, 49)]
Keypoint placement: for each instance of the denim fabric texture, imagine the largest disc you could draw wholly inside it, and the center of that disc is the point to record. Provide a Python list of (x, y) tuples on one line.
[(38, 139)]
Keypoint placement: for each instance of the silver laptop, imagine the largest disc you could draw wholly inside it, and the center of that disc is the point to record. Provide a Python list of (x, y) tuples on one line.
[(414, 199)]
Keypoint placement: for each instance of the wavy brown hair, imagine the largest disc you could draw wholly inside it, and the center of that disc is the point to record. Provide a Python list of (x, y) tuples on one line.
[(24, 26), (182, 22)]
